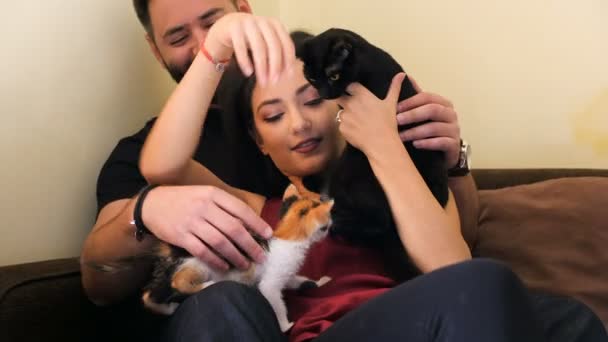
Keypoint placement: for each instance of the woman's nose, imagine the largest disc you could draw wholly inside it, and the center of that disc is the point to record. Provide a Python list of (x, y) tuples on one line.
[(299, 123)]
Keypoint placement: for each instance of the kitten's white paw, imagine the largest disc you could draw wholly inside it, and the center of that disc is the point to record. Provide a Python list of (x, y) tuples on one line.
[(324, 280), (285, 325), (207, 284), (159, 308)]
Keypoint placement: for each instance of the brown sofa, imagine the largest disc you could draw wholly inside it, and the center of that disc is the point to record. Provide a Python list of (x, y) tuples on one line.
[(549, 225)]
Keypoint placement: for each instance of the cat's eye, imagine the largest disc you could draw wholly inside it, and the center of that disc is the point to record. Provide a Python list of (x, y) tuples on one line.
[(334, 77)]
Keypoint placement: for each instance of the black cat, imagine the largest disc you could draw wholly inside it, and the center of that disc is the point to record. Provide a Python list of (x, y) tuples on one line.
[(333, 60)]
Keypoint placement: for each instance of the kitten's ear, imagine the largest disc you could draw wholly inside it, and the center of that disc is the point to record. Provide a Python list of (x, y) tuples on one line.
[(301, 189), (342, 49)]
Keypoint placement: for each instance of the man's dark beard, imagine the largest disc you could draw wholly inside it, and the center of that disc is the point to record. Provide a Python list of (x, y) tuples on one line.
[(177, 72)]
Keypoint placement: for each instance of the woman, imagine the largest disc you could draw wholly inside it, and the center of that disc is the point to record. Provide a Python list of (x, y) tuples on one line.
[(456, 299)]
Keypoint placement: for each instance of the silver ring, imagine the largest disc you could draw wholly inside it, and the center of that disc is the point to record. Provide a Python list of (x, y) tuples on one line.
[(338, 117)]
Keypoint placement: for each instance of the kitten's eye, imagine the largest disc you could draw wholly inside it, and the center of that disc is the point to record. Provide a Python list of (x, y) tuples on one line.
[(334, 77), (312, 80)]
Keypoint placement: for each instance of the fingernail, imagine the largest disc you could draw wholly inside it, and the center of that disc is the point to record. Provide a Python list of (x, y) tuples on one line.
[(261, 257), (268, 232)]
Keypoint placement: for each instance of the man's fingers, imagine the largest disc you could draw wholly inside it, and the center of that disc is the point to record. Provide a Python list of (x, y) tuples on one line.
[(422, 99), (444, 144), (235, 232), (242, 212), (198, 249), (430, 130), (219, 243), (431, 111)]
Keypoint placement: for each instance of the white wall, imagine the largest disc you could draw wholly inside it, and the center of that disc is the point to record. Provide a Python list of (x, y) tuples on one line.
[(76, 76), (529, 78)]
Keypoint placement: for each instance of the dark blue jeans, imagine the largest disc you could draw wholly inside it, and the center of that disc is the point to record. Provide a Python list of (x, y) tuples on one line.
[(477, 300)]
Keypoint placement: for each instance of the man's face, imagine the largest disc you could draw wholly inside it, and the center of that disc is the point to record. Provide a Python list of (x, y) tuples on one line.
[(180, 26)]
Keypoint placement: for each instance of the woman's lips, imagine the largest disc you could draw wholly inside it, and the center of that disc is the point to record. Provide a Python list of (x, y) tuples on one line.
[(307, 145)]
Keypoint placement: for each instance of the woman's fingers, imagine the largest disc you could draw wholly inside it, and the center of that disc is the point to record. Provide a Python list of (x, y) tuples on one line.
[(259, 50), (240, 50), (275, 49)]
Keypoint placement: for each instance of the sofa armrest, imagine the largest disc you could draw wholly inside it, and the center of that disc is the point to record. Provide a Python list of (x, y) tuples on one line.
[(45, 301)]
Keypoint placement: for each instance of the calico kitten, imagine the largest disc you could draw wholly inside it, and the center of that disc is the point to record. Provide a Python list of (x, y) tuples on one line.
[(333, 60), (304, 221)]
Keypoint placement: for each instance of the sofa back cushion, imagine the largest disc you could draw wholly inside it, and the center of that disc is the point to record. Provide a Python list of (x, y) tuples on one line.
[(554, 235)]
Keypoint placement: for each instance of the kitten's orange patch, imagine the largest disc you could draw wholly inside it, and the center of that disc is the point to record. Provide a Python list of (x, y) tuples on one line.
[(164, 250), (302, 219), (188, 280)]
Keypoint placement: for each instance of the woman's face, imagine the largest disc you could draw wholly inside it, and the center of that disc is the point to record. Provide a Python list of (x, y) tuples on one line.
[(295, 127)]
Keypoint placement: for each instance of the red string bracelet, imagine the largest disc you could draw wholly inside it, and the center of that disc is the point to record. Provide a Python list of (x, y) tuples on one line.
[(219, 65)]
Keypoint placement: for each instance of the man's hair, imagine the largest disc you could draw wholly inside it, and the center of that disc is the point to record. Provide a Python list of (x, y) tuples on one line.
[(143, 13)]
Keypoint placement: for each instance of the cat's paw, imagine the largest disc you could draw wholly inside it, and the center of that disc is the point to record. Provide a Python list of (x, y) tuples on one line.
[(324, 280), (207, 284), (159, 308), (285, 325)]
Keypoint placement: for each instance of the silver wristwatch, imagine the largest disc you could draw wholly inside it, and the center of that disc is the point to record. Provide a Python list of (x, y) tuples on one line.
[(464, 161)]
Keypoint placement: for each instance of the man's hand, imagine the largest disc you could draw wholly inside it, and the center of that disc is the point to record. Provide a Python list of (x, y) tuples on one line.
[(207, 222), (441, 134)]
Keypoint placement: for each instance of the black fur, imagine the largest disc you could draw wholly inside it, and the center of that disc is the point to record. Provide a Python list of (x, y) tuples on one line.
[(333, 60)]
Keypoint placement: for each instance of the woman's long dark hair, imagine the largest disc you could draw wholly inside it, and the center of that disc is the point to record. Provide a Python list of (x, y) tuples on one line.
[(234, 96)]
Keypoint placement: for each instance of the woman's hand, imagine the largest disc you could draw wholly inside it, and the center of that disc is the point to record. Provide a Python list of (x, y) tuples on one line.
[(267, 39), (367, 122), (442, 133)]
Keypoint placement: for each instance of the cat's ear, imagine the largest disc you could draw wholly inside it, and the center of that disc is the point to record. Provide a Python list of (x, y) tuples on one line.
[(342, 50)]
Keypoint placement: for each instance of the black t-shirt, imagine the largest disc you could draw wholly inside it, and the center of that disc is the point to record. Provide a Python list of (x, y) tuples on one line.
[(225, 148)]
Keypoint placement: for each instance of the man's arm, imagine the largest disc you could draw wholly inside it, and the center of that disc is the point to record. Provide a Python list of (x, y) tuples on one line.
[(204, 220), (112, 238)]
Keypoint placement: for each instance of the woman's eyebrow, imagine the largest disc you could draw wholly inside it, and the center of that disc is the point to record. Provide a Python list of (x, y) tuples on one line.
[(302, 88), (267, 102)]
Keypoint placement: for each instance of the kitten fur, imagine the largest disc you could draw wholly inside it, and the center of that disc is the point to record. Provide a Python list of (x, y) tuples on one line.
[(333, 60), (304, 221)]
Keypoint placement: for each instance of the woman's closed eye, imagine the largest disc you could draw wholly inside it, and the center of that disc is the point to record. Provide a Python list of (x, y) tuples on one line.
[(314, 102), (273, 118)]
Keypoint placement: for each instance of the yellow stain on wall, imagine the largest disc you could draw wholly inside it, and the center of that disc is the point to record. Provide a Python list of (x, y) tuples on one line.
[(591, 125)]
